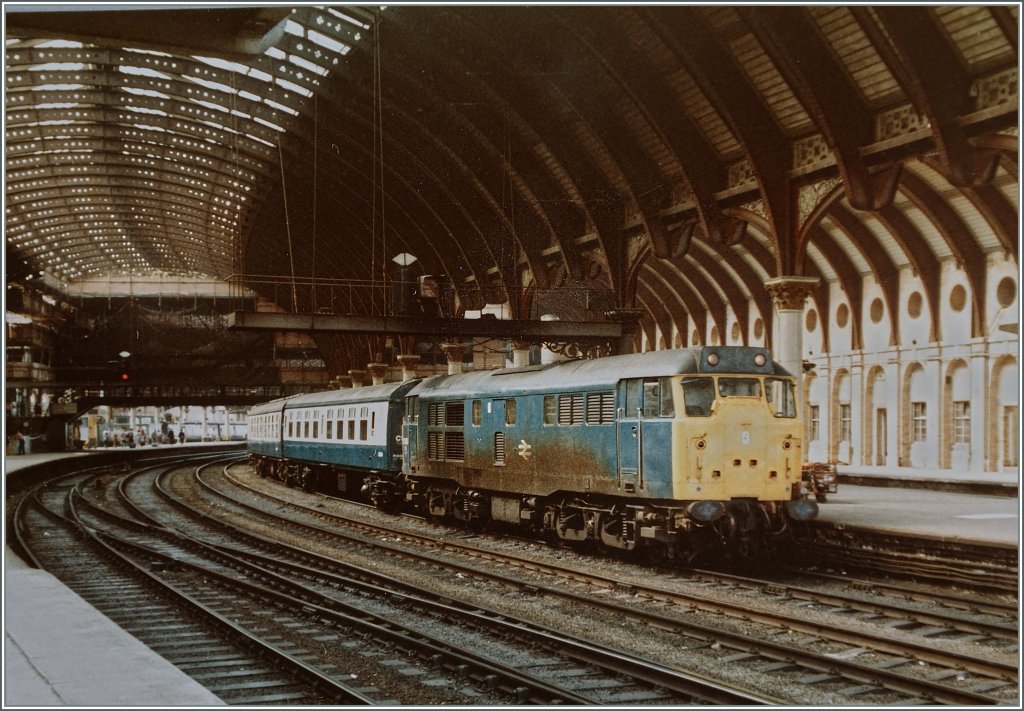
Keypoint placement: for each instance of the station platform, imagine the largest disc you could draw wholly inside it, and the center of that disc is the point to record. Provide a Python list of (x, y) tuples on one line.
[(58, 650)]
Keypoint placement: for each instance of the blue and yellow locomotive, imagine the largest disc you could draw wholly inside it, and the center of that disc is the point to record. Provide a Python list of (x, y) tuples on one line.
[(676, 452)]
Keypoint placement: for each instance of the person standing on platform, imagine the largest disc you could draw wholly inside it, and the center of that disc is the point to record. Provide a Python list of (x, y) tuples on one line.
[(21, 442), (181, 436)]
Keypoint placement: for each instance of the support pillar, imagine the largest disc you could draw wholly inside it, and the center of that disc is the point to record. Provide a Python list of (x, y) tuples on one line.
[(789, 295), (377, 372), (358, 378), (408, 363), (454, 353), (630, 320)]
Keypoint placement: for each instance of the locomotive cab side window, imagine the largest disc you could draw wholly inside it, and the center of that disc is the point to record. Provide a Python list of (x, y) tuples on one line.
[(781, 396), (510, 412), (698, 396)]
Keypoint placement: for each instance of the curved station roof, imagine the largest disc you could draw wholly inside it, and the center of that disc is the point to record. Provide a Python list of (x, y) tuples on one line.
[(666, 158)]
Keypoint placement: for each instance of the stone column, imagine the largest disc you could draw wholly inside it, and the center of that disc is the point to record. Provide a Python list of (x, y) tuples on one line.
[(377, 372), (408, 363), (982, 460), (454, 353), (789, 295), (358, 378), (520, 353)]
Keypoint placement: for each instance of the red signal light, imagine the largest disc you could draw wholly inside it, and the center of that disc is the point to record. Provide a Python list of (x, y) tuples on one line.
[(124, 376)]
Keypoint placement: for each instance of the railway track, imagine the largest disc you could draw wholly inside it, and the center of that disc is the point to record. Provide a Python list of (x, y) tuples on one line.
[(892, 644), (268, 592), (238, 667), (948, 677)]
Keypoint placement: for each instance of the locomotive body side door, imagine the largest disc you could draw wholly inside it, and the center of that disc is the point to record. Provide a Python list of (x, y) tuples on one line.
[(410, 432), (629, 434)]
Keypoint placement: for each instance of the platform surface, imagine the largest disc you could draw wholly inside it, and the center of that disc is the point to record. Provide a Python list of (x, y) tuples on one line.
[(61, 651)]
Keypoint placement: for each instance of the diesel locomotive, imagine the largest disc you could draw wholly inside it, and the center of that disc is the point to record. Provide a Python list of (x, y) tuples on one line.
[(677, 453)]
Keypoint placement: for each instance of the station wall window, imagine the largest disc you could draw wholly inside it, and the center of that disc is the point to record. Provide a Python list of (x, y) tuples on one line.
[(814, 423), (961, 422), (845, 422), (919, 422)]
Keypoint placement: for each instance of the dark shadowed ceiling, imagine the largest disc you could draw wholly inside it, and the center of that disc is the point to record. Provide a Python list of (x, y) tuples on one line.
[(668, 158)]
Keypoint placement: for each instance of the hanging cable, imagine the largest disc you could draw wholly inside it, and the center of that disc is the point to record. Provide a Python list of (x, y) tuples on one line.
[(288, 229), (314, 198)]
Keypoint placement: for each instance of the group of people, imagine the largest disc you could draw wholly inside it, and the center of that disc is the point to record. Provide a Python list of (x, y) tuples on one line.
[(140, 439)]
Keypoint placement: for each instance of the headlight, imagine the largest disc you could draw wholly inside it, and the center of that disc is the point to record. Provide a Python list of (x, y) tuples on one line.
[(712, 359), (759, 359)]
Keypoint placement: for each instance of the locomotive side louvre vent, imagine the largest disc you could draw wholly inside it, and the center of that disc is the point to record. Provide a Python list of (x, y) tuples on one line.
[(499, 447), (434, 413), (454, 414), (570, 409), (600, 408), (435, 445), (454, 447)]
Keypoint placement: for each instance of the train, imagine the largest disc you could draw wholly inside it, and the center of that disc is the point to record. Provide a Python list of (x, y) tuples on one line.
[(680, 454)]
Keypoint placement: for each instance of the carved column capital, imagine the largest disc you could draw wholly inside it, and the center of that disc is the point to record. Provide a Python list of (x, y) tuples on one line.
[(377, 371), (790, 293)]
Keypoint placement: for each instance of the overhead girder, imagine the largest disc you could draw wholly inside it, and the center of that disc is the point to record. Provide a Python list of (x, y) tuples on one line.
[(967, 252), (655, 101), (1001, 215), (675, 277), (403, 166), (694, 42), (825, 90), (511, 67), (679, 303), (850, 279), (477, 141), (885, 271), (939, 86), (657, 314)]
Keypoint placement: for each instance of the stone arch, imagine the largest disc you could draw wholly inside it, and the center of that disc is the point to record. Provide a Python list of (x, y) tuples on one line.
[(874, 418), (913, 453), (840, 424), (956, 398), (1003, 446)]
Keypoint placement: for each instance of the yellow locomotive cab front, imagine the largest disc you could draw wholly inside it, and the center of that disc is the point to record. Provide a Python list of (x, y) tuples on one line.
[(724, 448)]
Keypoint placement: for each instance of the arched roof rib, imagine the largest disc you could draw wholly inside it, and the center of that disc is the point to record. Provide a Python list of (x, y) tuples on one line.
[(505, 146)]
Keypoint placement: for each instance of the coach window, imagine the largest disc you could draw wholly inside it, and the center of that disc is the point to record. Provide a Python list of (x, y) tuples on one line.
[(362, 430), (477, 412), (316, 428), (305, 425), (510, 412), (698, 395), (550, 412)]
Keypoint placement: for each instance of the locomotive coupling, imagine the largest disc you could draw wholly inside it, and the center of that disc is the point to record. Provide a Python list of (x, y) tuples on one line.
[(802, 510), (706, 511)]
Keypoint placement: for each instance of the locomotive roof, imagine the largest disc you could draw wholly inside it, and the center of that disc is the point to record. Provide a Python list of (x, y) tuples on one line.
[(578, 374)]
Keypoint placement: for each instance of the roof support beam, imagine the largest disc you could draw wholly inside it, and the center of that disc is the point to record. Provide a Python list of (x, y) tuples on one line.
[(440, 327)]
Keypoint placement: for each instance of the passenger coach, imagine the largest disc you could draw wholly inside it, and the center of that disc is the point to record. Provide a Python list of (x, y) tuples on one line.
[(332, 441)]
